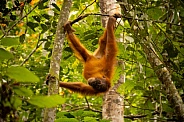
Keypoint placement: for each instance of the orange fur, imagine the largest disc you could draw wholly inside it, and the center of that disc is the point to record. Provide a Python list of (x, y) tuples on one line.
[(98, 67)]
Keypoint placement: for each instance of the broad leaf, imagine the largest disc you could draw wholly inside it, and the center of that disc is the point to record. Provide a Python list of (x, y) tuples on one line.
[(21, 74), (22, 38), (46, 101), (44, 28), (16, 101), (89, 119), (46, 16), (104, 120), (89, 113), (37, 18), (32, 25), (64, 114), (4, 54), (66, 120), (22, 91), (10, 41)]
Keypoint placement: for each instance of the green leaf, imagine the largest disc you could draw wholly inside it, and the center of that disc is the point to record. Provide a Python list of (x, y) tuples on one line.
[(155, 13), (22, 91), (89, 113), (129, 85), (46, 101), (78, 113), (54, 24), (66, 120), (10, 41), (37, 18), (4, 54), (104, 120), (171, 50), (68, 49), (89, 36), (22, 38), (167, 108), (21, 74), (46, 16), (16, 101), (89, 119), (32, 25), (182, 12), (47, 45), (44, 28), (64, 114)]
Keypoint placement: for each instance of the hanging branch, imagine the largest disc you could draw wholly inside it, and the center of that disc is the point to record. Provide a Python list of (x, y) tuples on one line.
[(122, 16)]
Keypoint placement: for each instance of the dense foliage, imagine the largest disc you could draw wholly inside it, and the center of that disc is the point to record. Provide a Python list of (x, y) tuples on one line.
[(26, 41)]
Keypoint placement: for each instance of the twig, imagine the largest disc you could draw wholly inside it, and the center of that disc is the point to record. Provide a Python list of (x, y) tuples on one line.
[(86, 7), (84, 108), (33, 51), (87, 102), (132, 117), (85, 15)]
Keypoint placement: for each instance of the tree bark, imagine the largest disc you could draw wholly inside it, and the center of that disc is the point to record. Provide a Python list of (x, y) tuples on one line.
[(53, 88), (113, 103), (112, 108)]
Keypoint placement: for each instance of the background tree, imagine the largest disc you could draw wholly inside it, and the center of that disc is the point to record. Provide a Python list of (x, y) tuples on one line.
[(53, 88)]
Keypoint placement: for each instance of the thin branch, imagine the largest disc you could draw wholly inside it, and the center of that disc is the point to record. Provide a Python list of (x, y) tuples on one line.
[(133, 117), (87, 7), (20, 20), (126, 17), (87, 102), (33, 51), (84, 108)]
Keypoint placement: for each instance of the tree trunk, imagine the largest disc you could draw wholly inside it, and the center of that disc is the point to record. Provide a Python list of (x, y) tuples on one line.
[(112, 108), (50, 113)]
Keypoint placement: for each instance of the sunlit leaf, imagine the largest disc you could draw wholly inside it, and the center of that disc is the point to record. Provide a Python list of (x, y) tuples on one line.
[(77, 113), (22, 91), (89, 113), (104, 120), (10, 41), (89, 119), (4, 54), (64, 114), (66, 120), (46, 101), (21, 74), (129, 85)]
